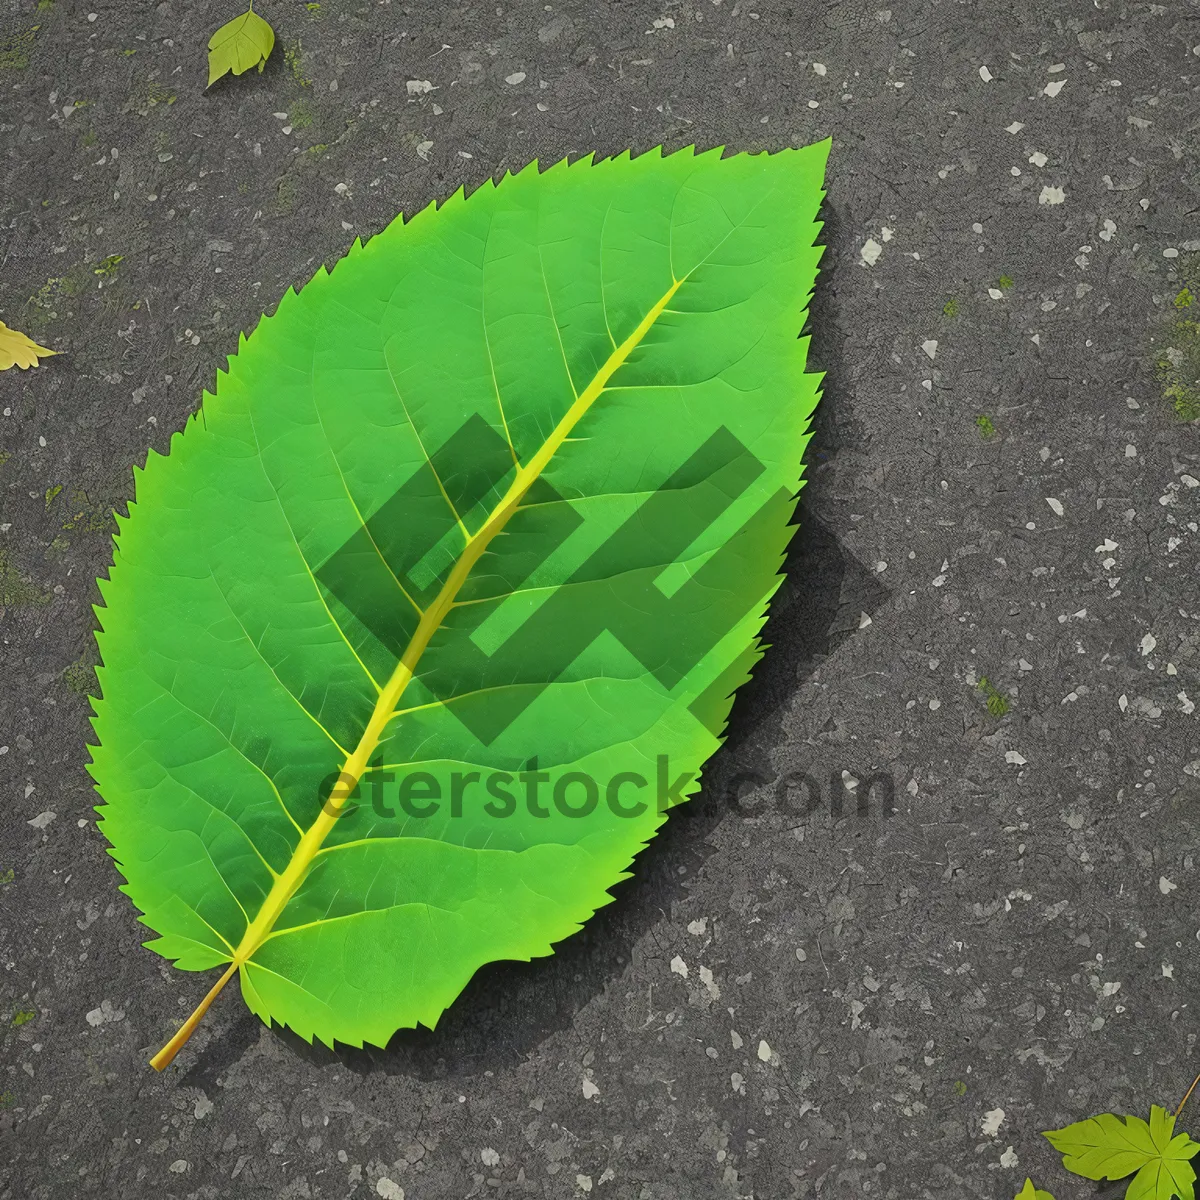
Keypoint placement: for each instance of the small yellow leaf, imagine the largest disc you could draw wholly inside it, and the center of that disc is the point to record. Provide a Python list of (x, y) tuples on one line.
[(244, 42), (16, 350)]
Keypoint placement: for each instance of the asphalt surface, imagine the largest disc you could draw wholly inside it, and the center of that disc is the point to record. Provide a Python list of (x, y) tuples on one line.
[(780, 1004)]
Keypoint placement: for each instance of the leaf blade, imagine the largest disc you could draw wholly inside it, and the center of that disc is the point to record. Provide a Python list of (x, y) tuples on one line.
[(1105, 1147), (19, 350), (645, 303), (244, 42), (1029, 1192)]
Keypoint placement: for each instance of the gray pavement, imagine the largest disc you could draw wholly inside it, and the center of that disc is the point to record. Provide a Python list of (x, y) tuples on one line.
[(779, 1004)]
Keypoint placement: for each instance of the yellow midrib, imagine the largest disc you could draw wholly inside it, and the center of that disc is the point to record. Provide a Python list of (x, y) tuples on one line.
[(286, 884)]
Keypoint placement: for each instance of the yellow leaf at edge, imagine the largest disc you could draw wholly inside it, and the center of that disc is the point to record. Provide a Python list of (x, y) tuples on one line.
[(16, 350), (244, 42), (1029, 1192)]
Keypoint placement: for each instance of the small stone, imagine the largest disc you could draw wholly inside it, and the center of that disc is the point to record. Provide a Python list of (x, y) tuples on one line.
[(990, 1125)]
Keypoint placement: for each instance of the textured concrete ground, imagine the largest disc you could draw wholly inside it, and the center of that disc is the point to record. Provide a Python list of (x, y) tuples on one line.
[(778, 1005)]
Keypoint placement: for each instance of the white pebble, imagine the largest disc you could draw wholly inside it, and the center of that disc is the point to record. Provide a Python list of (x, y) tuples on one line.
[(990, 1125)]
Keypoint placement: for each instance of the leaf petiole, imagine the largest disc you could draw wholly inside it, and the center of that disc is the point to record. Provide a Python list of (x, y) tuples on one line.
[(166, 1055), (1190, 1090)]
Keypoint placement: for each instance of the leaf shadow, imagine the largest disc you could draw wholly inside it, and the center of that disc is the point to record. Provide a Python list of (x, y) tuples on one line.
[(509, 1008)]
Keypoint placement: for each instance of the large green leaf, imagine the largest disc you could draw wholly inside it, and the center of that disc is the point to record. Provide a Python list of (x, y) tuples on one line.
[(1107, 1147), (507, 492)]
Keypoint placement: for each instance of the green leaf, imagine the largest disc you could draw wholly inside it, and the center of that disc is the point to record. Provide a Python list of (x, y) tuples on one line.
[(1029, 1192), (487, 520), (1105, 1147), (244, 42)]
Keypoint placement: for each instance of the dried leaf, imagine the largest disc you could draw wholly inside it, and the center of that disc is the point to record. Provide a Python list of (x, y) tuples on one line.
[(17, 350)]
